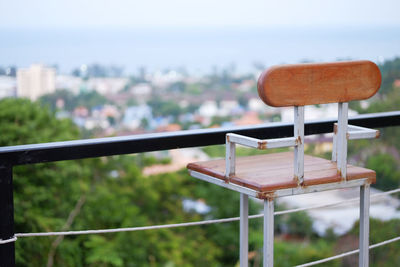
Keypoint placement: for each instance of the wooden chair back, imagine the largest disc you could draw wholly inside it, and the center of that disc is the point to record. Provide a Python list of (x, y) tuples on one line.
[(318, 83)]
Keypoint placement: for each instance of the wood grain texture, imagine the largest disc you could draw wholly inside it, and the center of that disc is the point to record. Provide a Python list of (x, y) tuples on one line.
[(270, 172), (320, 83)]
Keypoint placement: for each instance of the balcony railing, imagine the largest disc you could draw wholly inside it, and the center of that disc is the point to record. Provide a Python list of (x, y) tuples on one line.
[(79, 149)]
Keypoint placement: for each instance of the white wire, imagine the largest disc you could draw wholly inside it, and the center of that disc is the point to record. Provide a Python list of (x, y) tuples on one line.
[(130, 229), (151, 227), (348, 253), (5, 241)]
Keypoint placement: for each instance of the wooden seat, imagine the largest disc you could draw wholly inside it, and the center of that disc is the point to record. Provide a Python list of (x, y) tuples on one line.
[(270, 172)]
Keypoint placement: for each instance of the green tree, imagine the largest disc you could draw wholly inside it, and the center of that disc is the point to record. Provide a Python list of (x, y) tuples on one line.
[(224, 203), (51, 99), (152, 201), (298, 224), (87, 99), (44, 194), (390, 72), (93, 197), (387, 255), (164, 108), (387, 171), (295, 253), (90, 99)]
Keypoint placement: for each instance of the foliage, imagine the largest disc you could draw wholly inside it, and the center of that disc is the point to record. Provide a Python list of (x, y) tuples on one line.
[(151, 201), (45, 195), (193, 89), (164, 107), (88, 99), (113, 193), (218, 120), (390, 72), (177, 87), (382, 155), (25, 123), (387, 171), (297, 224), (243, 101), (295, 253), (387, 255), (224, 204)]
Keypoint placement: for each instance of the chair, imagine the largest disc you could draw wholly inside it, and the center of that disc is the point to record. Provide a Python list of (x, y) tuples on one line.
[(275, 175)]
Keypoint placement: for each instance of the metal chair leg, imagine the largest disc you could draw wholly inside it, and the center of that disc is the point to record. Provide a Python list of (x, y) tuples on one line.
[(364, 226), (268, 249), (244, 229)]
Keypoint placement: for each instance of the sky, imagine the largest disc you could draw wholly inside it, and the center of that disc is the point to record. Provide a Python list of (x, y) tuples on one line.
[(43, 14), (198, 34)]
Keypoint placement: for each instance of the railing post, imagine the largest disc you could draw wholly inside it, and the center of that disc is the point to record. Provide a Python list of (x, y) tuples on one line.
[(341, 145), (268, 249), (244, 230), (364, 226), (230, 158), (299, 148), (7, 251)]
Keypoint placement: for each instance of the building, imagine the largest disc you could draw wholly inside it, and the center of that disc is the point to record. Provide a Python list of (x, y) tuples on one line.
[(35, 81), (7, 86), (71, 83), (136, 115), (107, 85)]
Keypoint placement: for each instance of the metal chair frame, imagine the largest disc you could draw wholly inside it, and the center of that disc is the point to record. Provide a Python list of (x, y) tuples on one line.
[(342, 133)]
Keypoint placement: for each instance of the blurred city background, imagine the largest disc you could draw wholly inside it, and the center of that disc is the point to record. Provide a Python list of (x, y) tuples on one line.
[(83, 69)]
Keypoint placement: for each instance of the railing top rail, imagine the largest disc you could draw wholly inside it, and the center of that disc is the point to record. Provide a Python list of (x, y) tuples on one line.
[(90, 148)]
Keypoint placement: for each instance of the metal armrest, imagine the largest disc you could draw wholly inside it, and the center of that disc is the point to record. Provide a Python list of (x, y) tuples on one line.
[(357, 132), (353, 133), (259, 143), (233, 139)]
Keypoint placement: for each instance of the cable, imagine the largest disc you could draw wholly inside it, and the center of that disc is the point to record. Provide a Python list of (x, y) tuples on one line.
[(152, 227), (130, 229), (348, 253), (5, 241)]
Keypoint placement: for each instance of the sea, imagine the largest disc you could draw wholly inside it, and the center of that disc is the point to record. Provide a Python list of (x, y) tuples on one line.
[(197, 50)]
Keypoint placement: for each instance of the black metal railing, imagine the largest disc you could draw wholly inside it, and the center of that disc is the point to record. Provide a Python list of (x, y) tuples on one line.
[(90, 148)]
